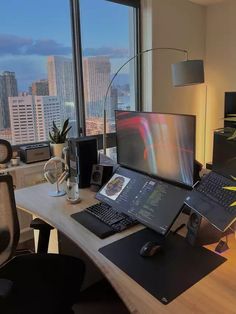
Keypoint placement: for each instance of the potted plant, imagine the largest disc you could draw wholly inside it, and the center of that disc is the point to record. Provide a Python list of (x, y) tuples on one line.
[(57, 138)]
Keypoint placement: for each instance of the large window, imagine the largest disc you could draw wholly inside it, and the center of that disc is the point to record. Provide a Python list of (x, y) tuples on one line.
[(51, 70), (36, 69), (108, 36)]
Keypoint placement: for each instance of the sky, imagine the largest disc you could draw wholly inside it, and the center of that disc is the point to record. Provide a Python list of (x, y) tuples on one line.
[(31, 30)]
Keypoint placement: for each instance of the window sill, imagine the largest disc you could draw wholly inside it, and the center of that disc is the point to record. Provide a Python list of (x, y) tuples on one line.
[(21, 166)]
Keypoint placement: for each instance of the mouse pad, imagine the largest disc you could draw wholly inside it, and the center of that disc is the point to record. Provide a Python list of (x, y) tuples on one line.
[(170, 272)]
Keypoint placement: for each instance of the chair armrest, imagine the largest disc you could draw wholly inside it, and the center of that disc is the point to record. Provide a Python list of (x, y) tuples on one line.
[(44, 234), (5, 287), (39, 224)]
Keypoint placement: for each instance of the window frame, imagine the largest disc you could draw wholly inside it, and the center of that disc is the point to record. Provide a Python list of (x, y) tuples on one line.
[(78, 73), (78, 76)]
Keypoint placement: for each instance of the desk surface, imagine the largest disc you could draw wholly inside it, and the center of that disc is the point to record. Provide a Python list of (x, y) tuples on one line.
[(216, 293)]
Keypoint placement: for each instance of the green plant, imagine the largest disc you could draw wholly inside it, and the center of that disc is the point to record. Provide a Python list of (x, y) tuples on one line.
[(57, 135)]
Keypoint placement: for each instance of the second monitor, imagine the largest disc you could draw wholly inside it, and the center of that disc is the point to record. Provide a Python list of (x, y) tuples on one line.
[(158, 144)]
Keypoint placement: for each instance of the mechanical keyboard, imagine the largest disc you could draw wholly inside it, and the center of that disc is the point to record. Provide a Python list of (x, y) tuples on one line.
[(105, 213), (212, 187)]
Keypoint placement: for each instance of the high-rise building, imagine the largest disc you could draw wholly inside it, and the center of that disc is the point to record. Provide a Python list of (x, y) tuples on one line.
[(8, 88), (47, 110), (22, 119), (2, 97), (61, 80), (113, 103), (97, 71), (32, 116), (40, 88)]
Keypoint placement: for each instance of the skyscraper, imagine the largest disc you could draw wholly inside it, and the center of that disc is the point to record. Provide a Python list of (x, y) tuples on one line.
[(61, 80), (8, 88), (40, 88), (47, 110), (111, 108), (97, 71), (22, 119), (32, 117)]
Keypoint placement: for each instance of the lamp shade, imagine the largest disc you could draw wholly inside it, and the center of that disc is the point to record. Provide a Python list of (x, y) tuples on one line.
[(187, 72)]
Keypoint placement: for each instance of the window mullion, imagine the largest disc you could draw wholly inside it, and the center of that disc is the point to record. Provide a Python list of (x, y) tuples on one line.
[(78, 72)]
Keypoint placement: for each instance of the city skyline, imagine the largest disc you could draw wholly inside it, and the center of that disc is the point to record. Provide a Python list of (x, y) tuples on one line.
[(31, 113), (36, 52), (24, 49)]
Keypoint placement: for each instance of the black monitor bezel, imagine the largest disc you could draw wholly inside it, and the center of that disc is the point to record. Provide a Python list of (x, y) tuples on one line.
[(177, 183)]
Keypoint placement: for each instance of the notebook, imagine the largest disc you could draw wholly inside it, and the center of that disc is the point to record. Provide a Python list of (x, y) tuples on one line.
[(209, 198)]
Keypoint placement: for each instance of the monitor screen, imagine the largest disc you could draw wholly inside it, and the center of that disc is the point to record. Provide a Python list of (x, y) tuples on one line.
[(151, 201), (224, 157), (230, 103), (157, 144)]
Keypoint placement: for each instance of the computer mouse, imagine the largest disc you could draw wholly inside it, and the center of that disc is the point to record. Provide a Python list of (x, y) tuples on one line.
[(150, 248)]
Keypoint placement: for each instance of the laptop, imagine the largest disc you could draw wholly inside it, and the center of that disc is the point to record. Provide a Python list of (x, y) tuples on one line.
[(150, 201), (209, 197)]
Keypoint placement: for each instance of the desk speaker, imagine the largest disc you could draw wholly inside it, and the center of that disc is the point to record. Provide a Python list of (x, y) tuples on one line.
[(200, 231), (100, 175), (83, 154)]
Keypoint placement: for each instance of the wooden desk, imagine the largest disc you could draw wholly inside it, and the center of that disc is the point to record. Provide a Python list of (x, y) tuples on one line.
[(215, 293)]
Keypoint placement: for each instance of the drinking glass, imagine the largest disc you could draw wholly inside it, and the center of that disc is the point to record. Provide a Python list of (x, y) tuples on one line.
[(72, 190)]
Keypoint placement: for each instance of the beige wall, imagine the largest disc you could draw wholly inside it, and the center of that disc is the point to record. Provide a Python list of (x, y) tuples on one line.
[(220, 63), (179, 24)]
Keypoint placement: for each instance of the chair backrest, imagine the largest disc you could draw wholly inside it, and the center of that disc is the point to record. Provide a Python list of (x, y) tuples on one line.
[(9, 225)]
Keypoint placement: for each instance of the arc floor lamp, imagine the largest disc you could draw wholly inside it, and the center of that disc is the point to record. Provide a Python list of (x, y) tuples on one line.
[(184, 73)]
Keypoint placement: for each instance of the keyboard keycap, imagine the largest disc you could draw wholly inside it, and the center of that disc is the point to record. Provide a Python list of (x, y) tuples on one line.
[(212, 186), (111, 217)]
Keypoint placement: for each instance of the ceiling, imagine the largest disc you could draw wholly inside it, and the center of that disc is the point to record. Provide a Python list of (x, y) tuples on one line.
[(207, 2)]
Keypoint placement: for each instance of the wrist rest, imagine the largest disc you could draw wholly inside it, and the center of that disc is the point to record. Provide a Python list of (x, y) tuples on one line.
[(93, 224)]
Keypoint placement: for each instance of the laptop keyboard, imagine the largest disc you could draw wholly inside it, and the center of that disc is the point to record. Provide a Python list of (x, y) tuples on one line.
[(105, 213), (212, 186)]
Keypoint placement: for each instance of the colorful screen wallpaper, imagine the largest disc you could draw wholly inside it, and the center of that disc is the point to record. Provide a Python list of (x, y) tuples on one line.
[(158, 144)]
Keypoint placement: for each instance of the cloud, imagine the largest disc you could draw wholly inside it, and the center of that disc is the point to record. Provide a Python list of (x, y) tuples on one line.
[(15, 45), (45, 47), (19, 46), (106, 51), (10, 44)]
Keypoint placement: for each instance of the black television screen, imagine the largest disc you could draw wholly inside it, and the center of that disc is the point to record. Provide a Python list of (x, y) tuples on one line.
[(230, 103), (158, 144)]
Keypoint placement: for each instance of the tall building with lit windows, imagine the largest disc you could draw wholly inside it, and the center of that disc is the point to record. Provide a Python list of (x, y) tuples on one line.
[(22, 119), (8, 87), (32, 116), (97, 71), (61, 80)]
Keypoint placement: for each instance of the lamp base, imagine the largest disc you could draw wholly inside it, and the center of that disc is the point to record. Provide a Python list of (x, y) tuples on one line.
[(56, 193)]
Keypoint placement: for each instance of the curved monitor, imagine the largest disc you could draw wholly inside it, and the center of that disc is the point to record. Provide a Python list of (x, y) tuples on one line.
[(158, 144)]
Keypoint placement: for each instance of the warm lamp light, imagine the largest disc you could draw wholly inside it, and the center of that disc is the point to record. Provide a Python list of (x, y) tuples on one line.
[(188, 72)]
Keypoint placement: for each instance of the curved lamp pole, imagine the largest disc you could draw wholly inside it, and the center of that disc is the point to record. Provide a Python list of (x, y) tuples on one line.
[(184, 73)]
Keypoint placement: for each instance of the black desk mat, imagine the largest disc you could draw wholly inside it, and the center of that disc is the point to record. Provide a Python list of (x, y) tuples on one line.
[(167, 274)]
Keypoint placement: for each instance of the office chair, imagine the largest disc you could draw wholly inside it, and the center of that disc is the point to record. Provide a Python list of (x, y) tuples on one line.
[(32, 283)]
